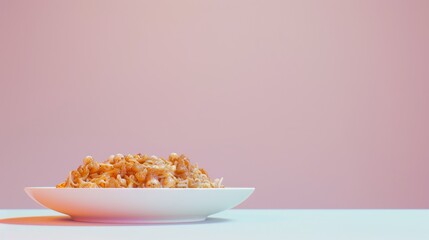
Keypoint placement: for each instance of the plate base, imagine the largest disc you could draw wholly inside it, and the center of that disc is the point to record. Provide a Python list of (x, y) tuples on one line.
[(136, 221)]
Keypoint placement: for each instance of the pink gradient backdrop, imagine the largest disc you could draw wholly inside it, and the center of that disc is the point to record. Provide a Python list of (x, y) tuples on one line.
[(317, 104)]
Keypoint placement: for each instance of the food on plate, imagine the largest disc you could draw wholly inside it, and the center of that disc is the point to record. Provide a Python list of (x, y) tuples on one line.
[(139, 171)]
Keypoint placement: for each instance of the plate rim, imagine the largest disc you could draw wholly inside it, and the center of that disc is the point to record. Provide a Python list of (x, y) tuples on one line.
[(140, 189)]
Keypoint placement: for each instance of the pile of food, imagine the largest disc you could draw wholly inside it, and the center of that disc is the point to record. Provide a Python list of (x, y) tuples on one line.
[(139, 171)]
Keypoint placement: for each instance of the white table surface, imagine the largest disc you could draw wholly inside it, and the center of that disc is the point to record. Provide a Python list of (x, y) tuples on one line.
[(232, 224)]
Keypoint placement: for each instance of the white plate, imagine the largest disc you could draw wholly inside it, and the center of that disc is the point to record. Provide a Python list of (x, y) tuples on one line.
[(139, 205)]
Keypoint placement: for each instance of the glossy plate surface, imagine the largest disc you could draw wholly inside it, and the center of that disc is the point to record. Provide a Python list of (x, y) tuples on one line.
[(139, 205)]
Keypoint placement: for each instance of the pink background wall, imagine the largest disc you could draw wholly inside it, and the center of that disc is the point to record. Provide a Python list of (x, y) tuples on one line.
[(317, 104)]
